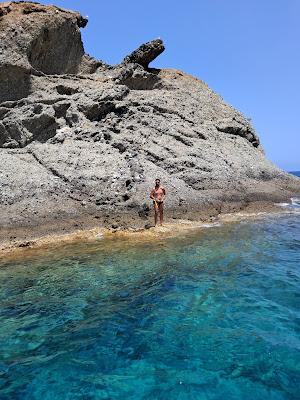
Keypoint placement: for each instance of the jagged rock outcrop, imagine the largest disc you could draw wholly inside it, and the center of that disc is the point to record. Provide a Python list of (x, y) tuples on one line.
[(38, 39), (83, 140), (145, 53)]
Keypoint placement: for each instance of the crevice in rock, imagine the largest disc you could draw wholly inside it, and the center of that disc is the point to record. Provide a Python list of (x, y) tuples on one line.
[(164, 110), (181, 139), (199, 184), (126, 197), (61, 109), (241, 131), (120, 146), (66, 90), (3, 111), (200, 135), (98, 111), (81, 195), (50, 169), (204, 169), (153, 157), (27, 101)]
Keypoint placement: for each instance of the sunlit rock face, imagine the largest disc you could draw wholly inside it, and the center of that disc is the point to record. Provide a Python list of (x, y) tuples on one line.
[(83, 139)]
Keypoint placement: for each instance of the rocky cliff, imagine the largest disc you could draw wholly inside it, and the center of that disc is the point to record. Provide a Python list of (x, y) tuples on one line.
[(82, 141)]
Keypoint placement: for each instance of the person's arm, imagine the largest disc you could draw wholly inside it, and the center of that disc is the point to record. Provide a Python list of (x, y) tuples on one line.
[(152, 194), (164, 193)]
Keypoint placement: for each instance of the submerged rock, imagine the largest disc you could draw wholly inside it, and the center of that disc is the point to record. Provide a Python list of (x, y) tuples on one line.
[(80, 138)]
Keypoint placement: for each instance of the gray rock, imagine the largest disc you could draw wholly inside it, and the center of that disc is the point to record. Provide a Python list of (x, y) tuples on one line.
[(40, 38), (80, 138), (144, 211), (146, 53)]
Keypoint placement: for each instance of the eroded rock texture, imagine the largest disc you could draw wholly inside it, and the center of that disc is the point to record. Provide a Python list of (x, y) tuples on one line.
[(81, 138)]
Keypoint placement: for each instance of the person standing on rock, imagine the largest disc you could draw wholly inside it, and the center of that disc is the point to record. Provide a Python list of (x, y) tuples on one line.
[(158, 194)]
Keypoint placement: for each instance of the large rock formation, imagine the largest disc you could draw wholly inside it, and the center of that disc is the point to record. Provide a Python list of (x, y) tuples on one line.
[(81, 140)]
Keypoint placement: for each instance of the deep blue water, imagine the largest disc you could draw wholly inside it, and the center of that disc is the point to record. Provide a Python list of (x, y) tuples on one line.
[(214, 314), (297, 173)]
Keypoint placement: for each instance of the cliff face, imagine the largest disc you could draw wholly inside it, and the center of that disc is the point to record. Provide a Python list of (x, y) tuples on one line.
[(80, 139)]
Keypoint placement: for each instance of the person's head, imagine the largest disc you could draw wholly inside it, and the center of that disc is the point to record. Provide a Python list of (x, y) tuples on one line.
[(157, 182)]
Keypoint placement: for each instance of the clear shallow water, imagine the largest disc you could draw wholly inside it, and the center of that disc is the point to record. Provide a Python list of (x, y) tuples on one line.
[(212, 315)]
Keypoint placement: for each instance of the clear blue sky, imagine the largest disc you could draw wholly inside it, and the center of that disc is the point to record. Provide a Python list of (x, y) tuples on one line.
[(246, 50)]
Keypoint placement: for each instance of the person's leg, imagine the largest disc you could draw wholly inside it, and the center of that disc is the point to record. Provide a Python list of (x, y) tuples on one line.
[(161, 213), (155, 214)]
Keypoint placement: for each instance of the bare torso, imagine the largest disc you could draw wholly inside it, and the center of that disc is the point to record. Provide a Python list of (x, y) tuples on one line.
[(158, 193)]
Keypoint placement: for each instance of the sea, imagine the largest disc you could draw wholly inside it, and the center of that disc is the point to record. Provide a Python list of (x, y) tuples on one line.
[(211, 314), (297, 173)]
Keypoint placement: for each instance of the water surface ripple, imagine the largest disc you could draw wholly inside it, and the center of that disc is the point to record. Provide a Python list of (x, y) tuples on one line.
[(211, 315)]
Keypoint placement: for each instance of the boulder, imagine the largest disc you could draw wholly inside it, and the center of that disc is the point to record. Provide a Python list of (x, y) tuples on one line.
[(146, 53)]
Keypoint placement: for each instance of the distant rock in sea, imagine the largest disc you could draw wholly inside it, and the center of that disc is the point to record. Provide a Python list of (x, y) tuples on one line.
[(82, 141)]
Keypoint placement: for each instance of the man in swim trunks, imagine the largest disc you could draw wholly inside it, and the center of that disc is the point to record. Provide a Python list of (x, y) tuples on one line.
[(158, 194)]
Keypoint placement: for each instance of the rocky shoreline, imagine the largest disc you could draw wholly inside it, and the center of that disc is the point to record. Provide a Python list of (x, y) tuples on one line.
[(31, 241), (81, 141)]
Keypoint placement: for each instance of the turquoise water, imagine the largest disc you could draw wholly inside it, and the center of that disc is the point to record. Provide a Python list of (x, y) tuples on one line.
[(211, 315)]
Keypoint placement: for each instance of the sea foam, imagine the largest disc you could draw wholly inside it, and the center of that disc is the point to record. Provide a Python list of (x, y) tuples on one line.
[(294, 203)]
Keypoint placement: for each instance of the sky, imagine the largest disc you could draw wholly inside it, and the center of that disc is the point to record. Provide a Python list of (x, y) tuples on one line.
[(248, 51)]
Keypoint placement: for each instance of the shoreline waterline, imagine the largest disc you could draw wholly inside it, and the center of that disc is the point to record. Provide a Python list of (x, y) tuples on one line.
[(172, 228)]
